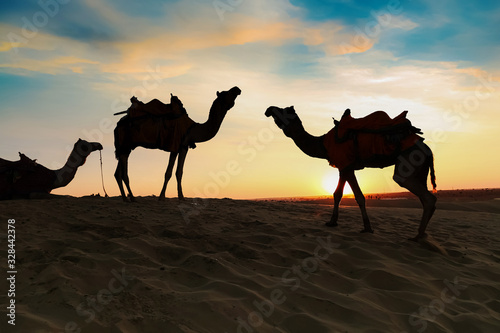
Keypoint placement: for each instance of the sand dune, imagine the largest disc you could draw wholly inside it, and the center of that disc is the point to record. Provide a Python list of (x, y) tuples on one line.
[(218, 265)]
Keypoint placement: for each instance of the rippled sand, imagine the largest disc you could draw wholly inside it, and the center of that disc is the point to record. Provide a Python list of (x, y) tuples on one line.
[(221, 265)]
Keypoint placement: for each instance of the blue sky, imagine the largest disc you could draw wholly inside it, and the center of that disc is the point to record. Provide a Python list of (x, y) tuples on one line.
[(67, 66)]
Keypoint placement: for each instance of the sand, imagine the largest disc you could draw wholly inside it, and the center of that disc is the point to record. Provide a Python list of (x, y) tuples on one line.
[(96, 264)]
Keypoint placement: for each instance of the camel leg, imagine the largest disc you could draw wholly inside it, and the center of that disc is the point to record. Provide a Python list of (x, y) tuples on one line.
[(179, 171), (168, 175), (427, 199), (414, 179), (337, 197), (125, 177), (119, 176), (360, 199)]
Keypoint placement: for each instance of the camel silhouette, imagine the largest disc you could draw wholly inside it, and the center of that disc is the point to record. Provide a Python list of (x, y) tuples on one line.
[(358, 145), (26, 178), (170, 130)]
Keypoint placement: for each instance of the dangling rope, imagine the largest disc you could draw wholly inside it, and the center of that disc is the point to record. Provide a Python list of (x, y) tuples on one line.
[(102, 176)]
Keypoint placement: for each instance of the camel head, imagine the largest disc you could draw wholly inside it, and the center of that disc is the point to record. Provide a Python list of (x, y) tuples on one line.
[(227, 98), (83, 148), (283, 117)]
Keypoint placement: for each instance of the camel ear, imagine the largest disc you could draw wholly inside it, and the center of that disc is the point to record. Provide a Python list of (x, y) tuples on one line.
[(218, 94), (291, 107)]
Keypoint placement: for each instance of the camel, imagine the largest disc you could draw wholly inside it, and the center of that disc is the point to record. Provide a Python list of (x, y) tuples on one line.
[(412, 164), (28, 179), (156, 132)]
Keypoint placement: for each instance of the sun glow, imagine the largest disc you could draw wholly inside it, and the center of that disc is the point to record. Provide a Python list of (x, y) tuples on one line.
[(330, 180)]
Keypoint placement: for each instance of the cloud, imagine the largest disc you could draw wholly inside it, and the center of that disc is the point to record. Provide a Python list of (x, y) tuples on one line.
[(252, 40), (15, 38), (59, 65), (181, 37), (399, 22), (134, 43), (7, 46), (43, 53)]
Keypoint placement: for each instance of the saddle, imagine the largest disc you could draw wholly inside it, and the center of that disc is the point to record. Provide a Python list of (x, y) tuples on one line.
[(378, 122), (163, 126), (372, 141), (155, 108), (13, 170)]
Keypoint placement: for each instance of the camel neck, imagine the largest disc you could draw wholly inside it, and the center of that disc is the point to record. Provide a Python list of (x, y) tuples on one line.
[(66, 174), (309, 144), (209, 129)]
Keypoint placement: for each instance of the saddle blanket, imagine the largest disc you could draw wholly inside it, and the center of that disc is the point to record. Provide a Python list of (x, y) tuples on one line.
[(365, 141), (156, 132)]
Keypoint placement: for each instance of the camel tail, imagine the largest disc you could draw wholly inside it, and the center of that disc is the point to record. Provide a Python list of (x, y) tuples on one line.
[(433, 174)]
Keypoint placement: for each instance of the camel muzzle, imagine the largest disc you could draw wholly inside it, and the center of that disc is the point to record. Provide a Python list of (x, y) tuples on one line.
[(281, 117), (235, 90), (270, 111)]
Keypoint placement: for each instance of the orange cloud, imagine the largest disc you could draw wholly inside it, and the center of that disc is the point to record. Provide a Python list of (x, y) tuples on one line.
[(51, 66)]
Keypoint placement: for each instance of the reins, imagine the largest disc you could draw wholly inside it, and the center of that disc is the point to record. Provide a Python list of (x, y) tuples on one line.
[(102, 176)]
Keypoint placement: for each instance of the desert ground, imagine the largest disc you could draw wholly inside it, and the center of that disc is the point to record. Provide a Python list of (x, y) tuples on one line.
[(95, 264)]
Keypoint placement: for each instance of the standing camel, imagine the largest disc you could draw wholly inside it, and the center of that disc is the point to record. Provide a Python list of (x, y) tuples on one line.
[(26, 178), (170, 133), (352, 151)]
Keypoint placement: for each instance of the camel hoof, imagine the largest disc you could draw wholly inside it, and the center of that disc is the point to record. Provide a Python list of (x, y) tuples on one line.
[(331, 224), (366, 230), (160, 198)]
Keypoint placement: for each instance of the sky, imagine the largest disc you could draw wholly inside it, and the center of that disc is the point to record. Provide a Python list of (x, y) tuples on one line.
[(66, 66)]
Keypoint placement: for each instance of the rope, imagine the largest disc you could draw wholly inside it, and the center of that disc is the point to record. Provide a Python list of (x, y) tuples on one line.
[(102, 176)]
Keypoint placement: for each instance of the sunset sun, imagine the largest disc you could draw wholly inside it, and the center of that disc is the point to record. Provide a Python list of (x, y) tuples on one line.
[(330, 180)]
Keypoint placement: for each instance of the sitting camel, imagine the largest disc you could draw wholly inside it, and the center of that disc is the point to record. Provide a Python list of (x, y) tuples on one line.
[(26, 178), (169, 128), (353, 145)]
